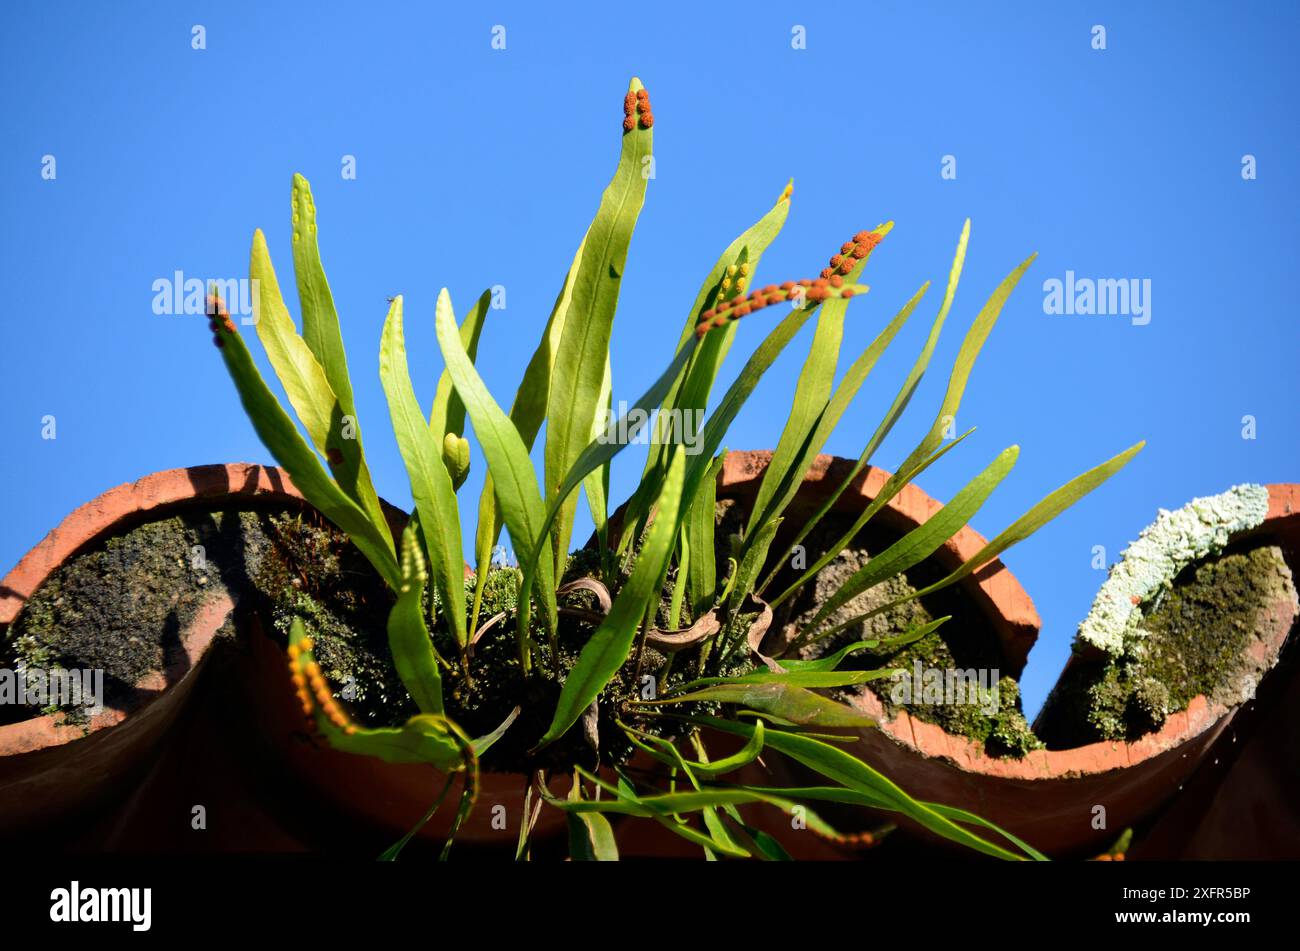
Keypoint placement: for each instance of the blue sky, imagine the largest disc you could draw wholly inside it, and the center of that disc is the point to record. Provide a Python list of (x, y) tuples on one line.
[(477, 167)]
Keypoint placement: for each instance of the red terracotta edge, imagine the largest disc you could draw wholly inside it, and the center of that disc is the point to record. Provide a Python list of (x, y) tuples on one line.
[(1008, 599), (1048, 798), (1282, 522), (1007, 604), (385, 792), (44, 732), (105, 515)]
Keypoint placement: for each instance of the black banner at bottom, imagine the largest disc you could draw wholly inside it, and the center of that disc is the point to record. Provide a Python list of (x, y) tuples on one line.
[(88, 897)]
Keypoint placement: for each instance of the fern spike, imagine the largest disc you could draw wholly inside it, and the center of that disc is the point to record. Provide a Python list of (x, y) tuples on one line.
[(218, 319), (636, 110), (798, 292)]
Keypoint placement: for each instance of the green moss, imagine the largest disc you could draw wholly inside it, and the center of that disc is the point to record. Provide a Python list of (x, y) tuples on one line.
[(966, 643), (1198, 634), (121, 605), (1193, 639), (1125, 702), (500, 593), (997, 721), (1010, 734), (583, 563), (315, 573)]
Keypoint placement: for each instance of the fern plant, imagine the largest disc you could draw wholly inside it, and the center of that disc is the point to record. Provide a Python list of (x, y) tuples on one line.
[(667, 604)]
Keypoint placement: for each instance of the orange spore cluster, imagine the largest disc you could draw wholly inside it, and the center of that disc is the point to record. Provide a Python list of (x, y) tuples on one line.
[(815, 290), (636, 107), (312, 690), (218, 319)]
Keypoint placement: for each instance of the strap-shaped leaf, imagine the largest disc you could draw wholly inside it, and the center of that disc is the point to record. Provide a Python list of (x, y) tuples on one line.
[(811, 394), (812, 679), (591, 837), (748, 248), (576, 377), (896, 409), (281, 437), (447, 419), (701, 572), (785, 699), (431, 487), (965, 362), (722, 835), (408, 636), (512, 471), (320, 319), (303, 378), (706, 801), (391, 853), (691, 395), (711, 846), (421, 739), (832, 661), (939, 818), (307, 387), (425, 738), (751, 751), (323, 336), (872, 508), (792, 808), (1047, 509), (924, 540), (962, 815), (1050, 506), (596, 485), (723, 840), (853, 797), (759, 362), (621, 433), (610, 645), (526, 413), (485, 742), (448, 415), (752, 562), (679, 582), (854, 774), (667, 804), (970, 348), (825, 423)]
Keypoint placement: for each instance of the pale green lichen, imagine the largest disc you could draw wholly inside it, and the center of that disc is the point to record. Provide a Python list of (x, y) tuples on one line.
[(1163, 549), (1206, 636)]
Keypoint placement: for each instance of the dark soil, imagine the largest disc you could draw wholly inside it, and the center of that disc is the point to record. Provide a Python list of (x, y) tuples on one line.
[(1197, 640)]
